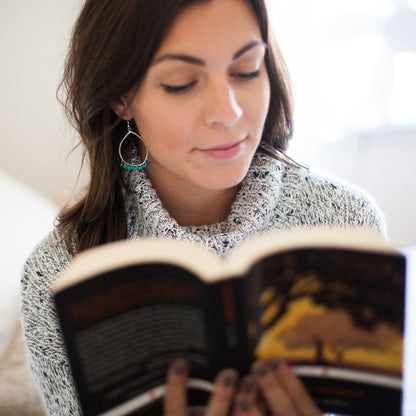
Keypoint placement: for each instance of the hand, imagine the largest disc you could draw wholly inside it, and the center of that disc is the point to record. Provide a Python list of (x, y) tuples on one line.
[(220, 402), (283, 392), (271, 389)]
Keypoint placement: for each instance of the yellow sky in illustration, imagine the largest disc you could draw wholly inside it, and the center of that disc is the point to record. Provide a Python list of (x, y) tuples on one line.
[(312, 321)]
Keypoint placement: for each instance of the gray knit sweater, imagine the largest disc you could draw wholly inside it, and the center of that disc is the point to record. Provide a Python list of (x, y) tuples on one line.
[(273, 196)]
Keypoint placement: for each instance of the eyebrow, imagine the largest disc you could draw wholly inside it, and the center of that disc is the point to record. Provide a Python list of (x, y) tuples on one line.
[(197, 61)]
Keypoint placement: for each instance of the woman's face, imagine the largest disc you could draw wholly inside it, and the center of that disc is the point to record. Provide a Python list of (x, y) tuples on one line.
[(202, 105)]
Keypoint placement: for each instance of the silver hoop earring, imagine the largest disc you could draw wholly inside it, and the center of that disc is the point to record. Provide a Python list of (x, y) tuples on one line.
[(130, 166)]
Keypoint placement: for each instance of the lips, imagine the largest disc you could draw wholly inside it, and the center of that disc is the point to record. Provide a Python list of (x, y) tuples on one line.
[(226, 151)]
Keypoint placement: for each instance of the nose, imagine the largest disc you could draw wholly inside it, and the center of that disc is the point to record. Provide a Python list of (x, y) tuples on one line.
[(222, 108)]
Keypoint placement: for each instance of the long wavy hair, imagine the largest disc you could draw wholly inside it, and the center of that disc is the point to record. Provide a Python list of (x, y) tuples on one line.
[(112, 45)]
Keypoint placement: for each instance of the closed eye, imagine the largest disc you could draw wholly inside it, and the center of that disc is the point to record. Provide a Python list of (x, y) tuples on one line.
[(246, 75), (177, 89)]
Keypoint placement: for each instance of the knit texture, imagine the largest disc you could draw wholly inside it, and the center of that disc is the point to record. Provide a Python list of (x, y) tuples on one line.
[(272, 196)]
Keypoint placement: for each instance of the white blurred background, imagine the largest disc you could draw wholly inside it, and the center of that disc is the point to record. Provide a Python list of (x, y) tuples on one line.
[(353, 63)]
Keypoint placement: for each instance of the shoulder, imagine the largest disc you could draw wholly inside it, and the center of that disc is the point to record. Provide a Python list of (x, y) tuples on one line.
[(45, 349), (320, 185), (49, 258), (320, 199)]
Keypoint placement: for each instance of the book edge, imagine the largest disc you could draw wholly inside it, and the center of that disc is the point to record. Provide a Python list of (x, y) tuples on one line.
[(205, 263)]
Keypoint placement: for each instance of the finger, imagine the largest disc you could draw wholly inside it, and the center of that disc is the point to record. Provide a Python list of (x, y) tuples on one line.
[(278, 401), (175, 401), (221, 398), (297, 391), (249, 390), (245, 406)]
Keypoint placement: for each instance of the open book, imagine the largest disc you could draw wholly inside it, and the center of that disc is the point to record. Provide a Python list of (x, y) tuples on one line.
[(331, 303)]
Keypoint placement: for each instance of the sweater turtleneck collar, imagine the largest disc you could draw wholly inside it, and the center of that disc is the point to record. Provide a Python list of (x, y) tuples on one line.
[(250, 212)]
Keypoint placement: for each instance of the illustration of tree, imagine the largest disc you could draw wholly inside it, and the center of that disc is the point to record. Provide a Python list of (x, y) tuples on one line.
[(334, 331), (336, 280)]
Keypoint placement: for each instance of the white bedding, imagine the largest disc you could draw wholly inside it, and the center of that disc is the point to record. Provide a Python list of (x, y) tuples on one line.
[(25, 218)]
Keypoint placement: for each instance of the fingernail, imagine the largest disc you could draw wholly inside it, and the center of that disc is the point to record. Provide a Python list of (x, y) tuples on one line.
[(260, 369), (274, 364), (244, 405), (180, 366), (195, 411), (228, 379), (248, 385)]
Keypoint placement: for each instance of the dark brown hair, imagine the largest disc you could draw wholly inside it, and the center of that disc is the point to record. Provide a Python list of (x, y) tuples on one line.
[(112, 45)]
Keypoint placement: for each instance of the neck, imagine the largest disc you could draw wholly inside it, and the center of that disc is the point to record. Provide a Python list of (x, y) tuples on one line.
[(197, 207), (208, 208)]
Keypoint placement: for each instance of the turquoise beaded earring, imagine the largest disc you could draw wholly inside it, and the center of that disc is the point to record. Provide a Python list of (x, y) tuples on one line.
[(129, 166)]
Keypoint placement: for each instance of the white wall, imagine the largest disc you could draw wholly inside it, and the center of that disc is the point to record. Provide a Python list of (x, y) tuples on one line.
[(35, 141), (383, 164)]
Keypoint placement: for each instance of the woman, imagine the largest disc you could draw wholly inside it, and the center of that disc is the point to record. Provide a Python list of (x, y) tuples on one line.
[(184, 110)]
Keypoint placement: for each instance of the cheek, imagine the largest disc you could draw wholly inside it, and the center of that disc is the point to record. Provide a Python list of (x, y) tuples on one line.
[(167, 132), (159, 123), (176, 125), (265, 99), (173, 132), (258, 106)]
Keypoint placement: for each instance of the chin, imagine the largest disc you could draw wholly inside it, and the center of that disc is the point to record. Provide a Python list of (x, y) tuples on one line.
[(224, 180)]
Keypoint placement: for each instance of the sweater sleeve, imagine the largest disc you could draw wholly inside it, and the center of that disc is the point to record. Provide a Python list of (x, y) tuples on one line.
[(348, 205), (317, 200), (356, 205), (46, 352)]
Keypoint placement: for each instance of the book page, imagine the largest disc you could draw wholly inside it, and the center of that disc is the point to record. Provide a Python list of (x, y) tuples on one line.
[(205, 263), (111, 256), (124, 328), (337, 316), (361, 239)]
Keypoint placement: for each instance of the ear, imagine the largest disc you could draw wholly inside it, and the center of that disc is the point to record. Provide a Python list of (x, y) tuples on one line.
[(121, 108)]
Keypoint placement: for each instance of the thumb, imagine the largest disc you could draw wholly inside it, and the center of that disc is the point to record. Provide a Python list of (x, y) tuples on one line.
[(175, 400)]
